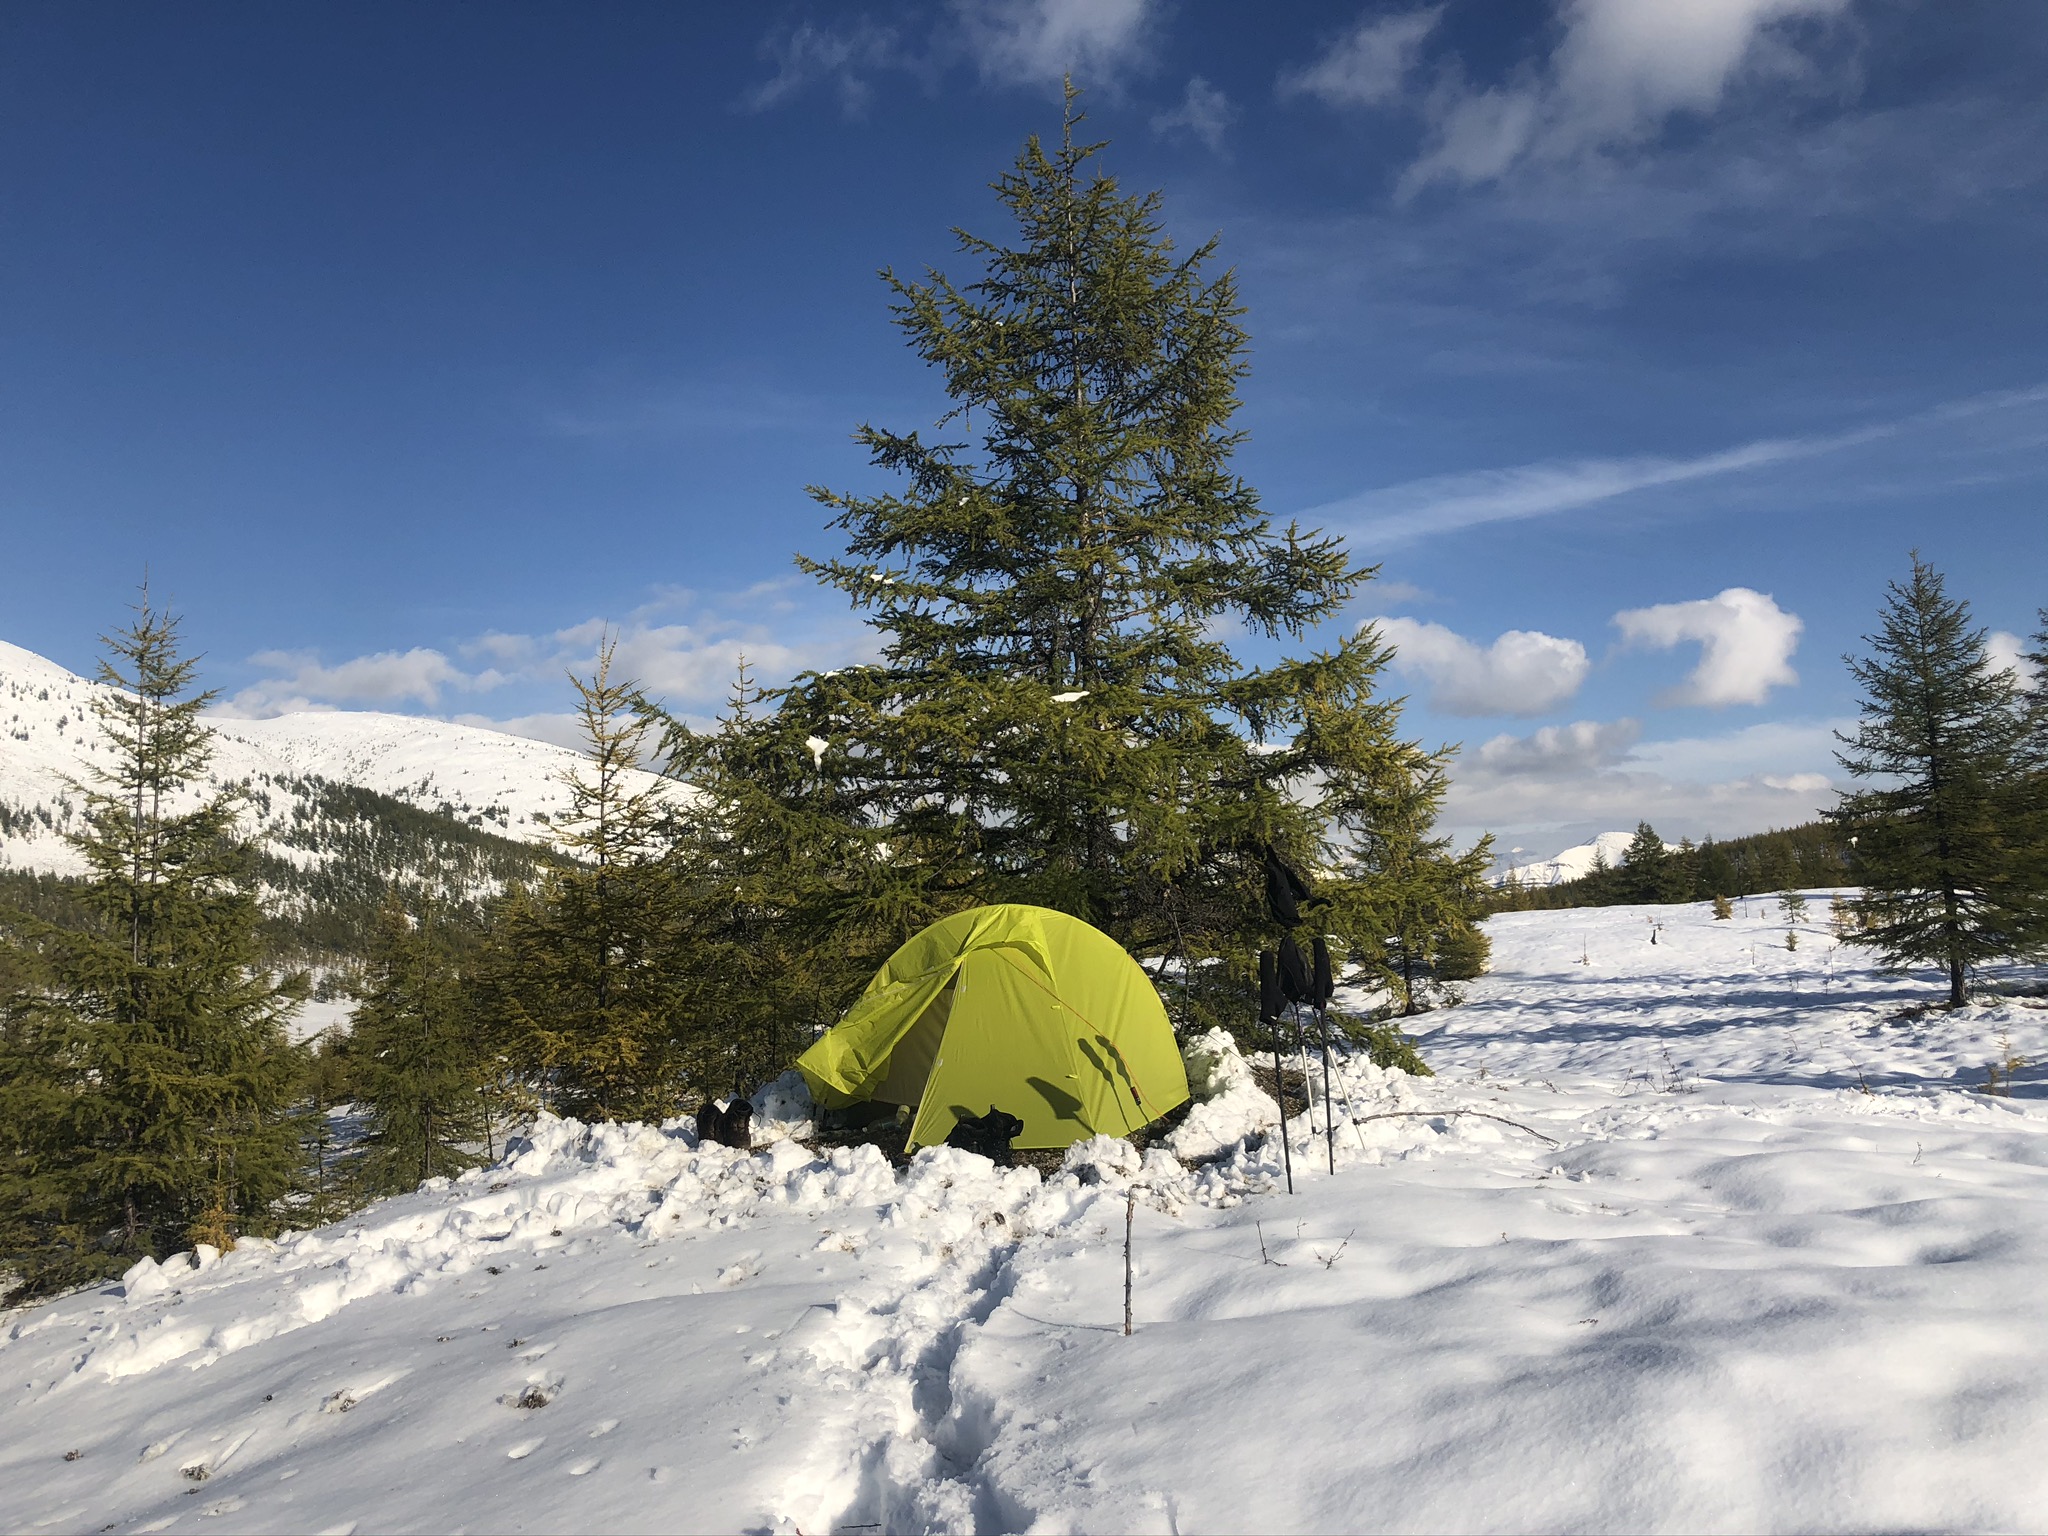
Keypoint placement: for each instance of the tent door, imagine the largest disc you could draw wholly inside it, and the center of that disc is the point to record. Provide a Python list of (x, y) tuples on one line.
[(910, 1063)]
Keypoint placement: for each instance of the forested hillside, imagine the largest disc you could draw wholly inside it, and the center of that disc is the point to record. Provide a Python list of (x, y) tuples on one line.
[(1813, 854)]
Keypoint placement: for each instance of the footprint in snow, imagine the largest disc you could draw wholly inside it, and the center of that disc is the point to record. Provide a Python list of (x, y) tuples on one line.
[(525, 1448), (587, 1465), (604, 1427)]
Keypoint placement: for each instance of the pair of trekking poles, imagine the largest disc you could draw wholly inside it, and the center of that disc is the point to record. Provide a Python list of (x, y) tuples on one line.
[(1286, 981)]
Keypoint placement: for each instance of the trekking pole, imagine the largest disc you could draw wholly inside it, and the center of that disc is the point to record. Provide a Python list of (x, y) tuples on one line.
[(1271, 1005), (1329, 1115), (1280, 1098), (1307, 1087)]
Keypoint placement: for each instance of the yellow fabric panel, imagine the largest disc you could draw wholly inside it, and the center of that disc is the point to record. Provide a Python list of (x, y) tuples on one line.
[(851, 1059), (910, 1063), (1007, 1047)]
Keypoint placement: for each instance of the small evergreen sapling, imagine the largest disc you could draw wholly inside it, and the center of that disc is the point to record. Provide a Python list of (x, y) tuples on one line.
[(416, 1063), (586, 989)]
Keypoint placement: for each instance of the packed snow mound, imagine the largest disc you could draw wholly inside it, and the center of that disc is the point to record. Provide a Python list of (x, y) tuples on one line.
[(49, 738), (783, 1110), (1688, 1235), (1229, 1106)]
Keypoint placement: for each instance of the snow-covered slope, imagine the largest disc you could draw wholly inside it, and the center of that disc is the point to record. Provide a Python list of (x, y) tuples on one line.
[(506, 784), (1742, 1250)]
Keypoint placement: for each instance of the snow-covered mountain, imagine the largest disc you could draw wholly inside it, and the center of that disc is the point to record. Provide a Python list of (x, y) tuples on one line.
[(508, 785), (1699, 1234), (1570, 864)]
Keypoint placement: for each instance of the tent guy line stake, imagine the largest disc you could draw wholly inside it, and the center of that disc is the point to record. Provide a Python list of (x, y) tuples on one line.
[(1130, 1219)]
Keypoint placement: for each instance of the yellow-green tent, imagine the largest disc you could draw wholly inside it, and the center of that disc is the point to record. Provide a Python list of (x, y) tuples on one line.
[(1021, 1009)]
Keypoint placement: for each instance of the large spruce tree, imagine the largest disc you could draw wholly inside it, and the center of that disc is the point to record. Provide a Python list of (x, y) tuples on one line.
[(149, 1080), (1939, 743), (1058, 715)]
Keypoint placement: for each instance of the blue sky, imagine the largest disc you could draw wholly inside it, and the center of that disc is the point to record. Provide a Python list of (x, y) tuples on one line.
[(1638, 342)]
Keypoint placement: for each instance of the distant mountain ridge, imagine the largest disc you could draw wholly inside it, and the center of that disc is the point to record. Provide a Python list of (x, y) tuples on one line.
[(1572, 864), (342, 807), (510, 785)]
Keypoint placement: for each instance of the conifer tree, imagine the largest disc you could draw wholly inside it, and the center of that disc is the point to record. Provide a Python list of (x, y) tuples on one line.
[(327, 1188), (415, 1060), (1940, 736), (2027, 805), (1649, 870), (588, 990), (789, 902), (1057, 716), (1408, 885), (151, 1081)]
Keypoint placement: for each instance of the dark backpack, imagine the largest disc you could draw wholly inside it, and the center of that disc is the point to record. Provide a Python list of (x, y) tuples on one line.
[(732, 1126), (989, 1134)]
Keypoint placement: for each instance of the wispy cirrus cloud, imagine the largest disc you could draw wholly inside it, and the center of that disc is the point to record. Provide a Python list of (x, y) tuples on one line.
[(1204, 113), (1368, 64), (1442, 504), (1027, 43)]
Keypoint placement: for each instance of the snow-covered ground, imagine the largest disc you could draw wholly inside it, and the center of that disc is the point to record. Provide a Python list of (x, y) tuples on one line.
[(507, 784), (1753, 1255)]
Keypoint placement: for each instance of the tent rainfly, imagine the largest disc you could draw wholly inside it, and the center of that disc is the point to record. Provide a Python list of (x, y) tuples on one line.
[(1016, 1008)]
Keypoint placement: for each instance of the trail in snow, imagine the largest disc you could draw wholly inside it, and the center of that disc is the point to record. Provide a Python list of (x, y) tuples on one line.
[(1780, 1272)]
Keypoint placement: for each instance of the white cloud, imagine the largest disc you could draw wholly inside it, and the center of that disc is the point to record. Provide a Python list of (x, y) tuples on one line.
[(1746, 643), (682, 647), (1368, 65), (1035, 42), (1205, 112), (1562, 784), (1523, 672), (417, 676), (1560, 751), (1445, 503), (2006, 652), (1621, 69)]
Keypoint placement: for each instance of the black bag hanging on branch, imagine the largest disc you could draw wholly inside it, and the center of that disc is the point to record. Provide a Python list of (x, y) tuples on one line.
[(1286, 889), (1325, 975)]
